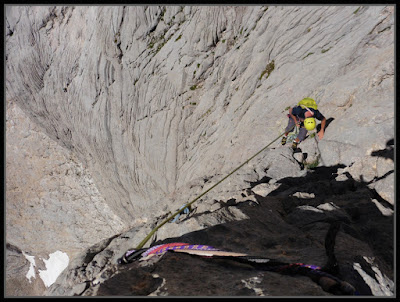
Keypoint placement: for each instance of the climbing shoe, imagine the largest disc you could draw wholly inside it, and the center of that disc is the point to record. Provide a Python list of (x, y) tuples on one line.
[(294, 145), (283, 142)]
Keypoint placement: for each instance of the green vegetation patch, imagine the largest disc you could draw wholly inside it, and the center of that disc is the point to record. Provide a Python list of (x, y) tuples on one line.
[(270, 67), (309, 54), (151, 44), (325, 50), (312, 164), (160, 46)]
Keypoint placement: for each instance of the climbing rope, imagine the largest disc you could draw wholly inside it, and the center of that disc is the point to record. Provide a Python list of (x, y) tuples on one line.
[(143, 242)]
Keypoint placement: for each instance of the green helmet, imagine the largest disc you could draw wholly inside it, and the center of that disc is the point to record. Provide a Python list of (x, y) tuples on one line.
[(309, 123)]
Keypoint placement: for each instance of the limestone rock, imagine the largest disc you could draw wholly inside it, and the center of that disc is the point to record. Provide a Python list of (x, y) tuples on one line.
[(19, 274), (52, 201), (284, 228), (88, 71), (118, 115), (265, 188)]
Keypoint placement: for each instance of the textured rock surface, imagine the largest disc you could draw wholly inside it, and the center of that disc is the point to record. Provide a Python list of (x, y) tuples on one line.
[(52, 201), (18, 281), (42, 175), (278, 225), (155, 104)]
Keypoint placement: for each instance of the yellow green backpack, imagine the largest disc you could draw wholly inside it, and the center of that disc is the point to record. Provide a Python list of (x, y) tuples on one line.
[(309, 103)]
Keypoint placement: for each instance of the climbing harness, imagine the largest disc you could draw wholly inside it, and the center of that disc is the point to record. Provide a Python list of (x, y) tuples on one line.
[(292, 135)]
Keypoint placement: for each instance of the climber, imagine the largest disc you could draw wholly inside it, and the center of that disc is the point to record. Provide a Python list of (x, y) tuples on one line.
[(303, 116)]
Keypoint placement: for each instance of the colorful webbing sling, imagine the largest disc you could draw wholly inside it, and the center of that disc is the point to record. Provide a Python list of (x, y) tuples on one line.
[(132, 255), (162, 248), (262, 263), (195, 249)]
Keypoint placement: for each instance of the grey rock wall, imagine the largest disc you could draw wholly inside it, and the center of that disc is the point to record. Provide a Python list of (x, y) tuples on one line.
[(52, 203), (286, 220), (153, 104)]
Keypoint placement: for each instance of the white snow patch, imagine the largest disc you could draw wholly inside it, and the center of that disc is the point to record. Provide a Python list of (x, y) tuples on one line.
[(310, 208), (329, 206), (56, 263), (381, 285), (31, 273)]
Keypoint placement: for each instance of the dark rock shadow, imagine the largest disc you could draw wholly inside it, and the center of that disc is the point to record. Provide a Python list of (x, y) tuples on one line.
[(354, 197), (291, 229), (388, 152), (328, 121)]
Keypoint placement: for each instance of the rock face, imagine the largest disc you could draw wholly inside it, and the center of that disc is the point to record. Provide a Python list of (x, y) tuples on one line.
[(117, 115), (52, 201), (278, 225)]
